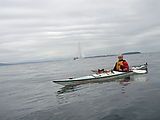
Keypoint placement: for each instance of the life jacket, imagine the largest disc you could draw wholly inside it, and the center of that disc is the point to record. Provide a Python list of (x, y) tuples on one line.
[(121, 64)]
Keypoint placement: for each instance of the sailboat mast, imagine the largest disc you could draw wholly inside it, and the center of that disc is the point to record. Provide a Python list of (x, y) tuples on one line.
[(79, 49)]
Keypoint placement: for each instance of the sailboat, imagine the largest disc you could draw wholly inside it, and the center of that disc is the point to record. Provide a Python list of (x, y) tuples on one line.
[(79, 52)]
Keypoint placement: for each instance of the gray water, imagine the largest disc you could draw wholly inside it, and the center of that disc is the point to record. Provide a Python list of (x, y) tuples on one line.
[(28, 93)]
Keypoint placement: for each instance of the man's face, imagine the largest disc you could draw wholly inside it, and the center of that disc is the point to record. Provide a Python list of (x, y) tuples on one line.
[(120, 57)]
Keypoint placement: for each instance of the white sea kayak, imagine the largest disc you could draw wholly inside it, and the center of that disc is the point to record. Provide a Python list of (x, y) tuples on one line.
[(102, 76)]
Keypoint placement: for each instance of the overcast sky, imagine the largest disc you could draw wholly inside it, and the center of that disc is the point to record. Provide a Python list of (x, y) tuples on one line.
[(50, 29)]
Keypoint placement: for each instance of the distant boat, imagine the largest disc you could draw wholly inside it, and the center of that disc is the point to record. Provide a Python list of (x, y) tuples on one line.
[(75, 58), (79, 52)]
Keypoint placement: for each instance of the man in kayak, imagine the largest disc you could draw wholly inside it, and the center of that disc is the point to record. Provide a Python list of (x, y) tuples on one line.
[(121, 65)]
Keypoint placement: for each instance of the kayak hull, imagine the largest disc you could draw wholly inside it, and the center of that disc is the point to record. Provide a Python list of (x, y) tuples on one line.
[(94, 78)]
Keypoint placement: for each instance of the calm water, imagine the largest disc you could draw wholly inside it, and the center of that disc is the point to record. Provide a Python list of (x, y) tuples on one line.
[(28, 93)]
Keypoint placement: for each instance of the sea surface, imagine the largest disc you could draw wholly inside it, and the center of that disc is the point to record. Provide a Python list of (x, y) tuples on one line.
[(28, 93)]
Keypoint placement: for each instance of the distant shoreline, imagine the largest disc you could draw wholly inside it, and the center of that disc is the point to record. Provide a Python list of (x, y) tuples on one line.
[(127, 53), (97, 56)]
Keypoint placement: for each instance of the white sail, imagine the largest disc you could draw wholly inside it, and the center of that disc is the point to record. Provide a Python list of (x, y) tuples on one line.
[(79, 52)]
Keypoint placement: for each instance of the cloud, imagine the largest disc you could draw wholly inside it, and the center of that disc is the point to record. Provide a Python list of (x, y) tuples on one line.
[(47, 29)]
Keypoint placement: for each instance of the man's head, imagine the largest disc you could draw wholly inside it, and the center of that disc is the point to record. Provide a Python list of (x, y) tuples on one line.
[(120, 57)]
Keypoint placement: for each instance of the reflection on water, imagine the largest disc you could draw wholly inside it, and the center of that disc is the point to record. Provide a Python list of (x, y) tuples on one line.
[(125, 82), (61, 99), (140, 78), (66, 89)]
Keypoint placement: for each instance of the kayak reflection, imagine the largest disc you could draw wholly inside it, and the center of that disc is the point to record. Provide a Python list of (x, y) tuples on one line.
[(140, 78), (67, 88)]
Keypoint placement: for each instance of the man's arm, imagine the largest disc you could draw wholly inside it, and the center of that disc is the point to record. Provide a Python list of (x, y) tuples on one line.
[(115, 67)]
